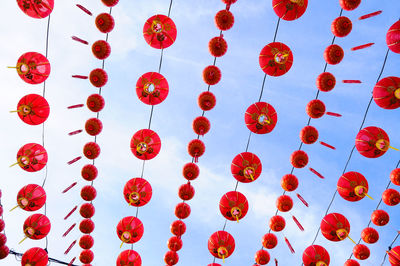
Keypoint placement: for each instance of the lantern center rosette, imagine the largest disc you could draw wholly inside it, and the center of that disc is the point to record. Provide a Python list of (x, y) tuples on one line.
[(382, 144), (360, 191), (263, 119), (149, 88), (236, 212), (397, 93), (321, 263), (25, 110), (142, 147), (342, 233), (157, 26), (23, 160), (249, 172), (126, 236), (29, 232), (281, 57), (23, 202), (134, 197), (222, 252)]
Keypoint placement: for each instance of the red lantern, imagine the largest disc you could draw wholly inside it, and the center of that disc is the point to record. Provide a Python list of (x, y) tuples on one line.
[(145, 144), (178, 228), (289, 182), (206, 101), (316, 255), (380, 217), (33, 109), (86, 256), (190, 171), (372, 142), (31, 197), (229, 2), (182, 210), (315, 108), (224, 20), (33, 68), (349, 5), (87, 210), (246, 167), (89, 172), (217, 46), (86, 242), (289, 9), (36, 9), (86, 226), (361, 252), (299, 159), (352, 186), (394, 256), (137, 192), (101, 49), (88, 193), (211, 75), (269, 241), (95, 103), (171, 258), (341, 26), (2, 225), (196, 148), (335, 227), (262, 257), (393, 37), (129, 257), (98, 77), (35, 257), (309, 135), (284, 203), (3, 239), (201, 125), (130, 230), (91, 150), (233, 206), (221, 244), (391, 197), (386, 93), (4, 251), (277, 223), (152, 88), (174, 243), (326, 81), (105, 22), (351, 263), (276, 59), (93, 126), (260, 118), (159, 31), (369, 235), (186, 191), (36, 226), (395, 176), (333, 54), (32, 157), (110, 3)]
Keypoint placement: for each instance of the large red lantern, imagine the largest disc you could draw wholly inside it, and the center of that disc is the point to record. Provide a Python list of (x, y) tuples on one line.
[(361, 252), (88, 193), (352, 186), (87, 210), (93, 126), (190, 171), (95, 103), (86, 226), (206, 101), (201, 125), (152, 88), (211, 75), (137, 192), (196, 148), (130, 230), (224, 20), (269, 241), (86, 242), (349, 5), (277, 223), (233, 206), (369, 235), (289, 9), (182, 210), (159, 31), (89, 172), (333, 54), (380, 218), (246, 167), (316, 255), (393, 37), (98, 77), (101, 49), (221, 244), (174, 243), (32, 157), (260, 118), (36, 9), (31, 197), (326, 81), (391, 197), (276, 59), (217, 46), (395, 176), (262, 257), (394, 256), (289, 182), (35, 257), (86, 256), (91, 150), (386, 93), (33, 68), (171, 258), (145, 144), (33, 109), (335, 227), (309, 135), (178, 228), (372, 142), (129, 257), (186, 191), (299, 159), (105, 22), (36, 226), (284, 203), (351, 263), (341, 26)]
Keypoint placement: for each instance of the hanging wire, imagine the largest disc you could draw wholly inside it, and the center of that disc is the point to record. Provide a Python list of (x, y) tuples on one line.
[(19, 255)]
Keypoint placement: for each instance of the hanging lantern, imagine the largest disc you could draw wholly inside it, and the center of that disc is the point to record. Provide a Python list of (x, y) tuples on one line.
[(145, 144), (129, 257), (93, 126), (186, 191), (394, 256), (361, 252), (36, 9), (229, 2), (386, 92), (289, 9), (289, 182), (369, 235), (341, 26), (380, 218), (152, 88), (395, 176), (171, 258), (88, 193), (86, 242), (87, 210), (36, 226), (349, 5), (86, 226), (299, 159), (224, 20), (196, 148), (4, 251), (31, 197), (32, 157), (211, 75), (351, 263), (333, 54), (174, 243), (393, 37), (182, 210), (178, 228), (335, 227), (391, 197), (35, 257), (372, 142), (221, 244), (159, 32), (260, 118), (3, 239), (217, 46), (105, 22), (130, 230), (284, 203), (98, 77), (262, 257), (246, 167), (277, 223), (33, 68), (276, 59), (33, 109), (86, 256), (89, 172), (309, 135), (101, 49), (352, 186), (110, 3), (95, 103), (326, 82), (316, 255), (137, 192), (233, 206), (206, 101), (201, 125), (2, 225), (269, 241), (190, 171), (315, 108), (91, 150)]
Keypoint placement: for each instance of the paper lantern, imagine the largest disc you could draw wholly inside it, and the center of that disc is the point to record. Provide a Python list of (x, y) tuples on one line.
[(33, 109), (105, 22), (98, 77), (211, 75), (361, 252), (186, 191), (171, 258), (174, 243), (206, 101), (386, 93), (93, 126), (395, 176), (3, 239), (369, 235), (372, 142), (315, 108), (393, 37), (335, 227), (289, 9), (391, 197), (145, 144), (88, 193), (217, 46), (137, 192), (276, 59), (277, 223), (95, 103), (380, 217), (316, 255), (35, 257), (91, 150), (86, 226), (269, 241), (229, 2), (201, 125), (159, 31), (326, 81), (262, 257), (89, 172), (36, 9), (31, 197), (284, 203), (221, 244), (33, 68), (32, 157), (224, 20), (182, 210), (110, 3), (101, 49), (36, 226), (394, 256), (309, 135), (352, 186), (86, 256), (349, 5), (351, 263), (196, 148), (130, 230), (2, 225), (178, 228), (129, 257), (4, 251), (190, 171), (87, 210), (260, 118), (299, 159), (341, 26), (152, 88), (333, 54), (289, 182), (233, 206), (246, 167), (86, 242)]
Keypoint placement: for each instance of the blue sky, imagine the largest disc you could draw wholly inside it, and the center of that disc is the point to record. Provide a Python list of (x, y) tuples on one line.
[(241, 81)]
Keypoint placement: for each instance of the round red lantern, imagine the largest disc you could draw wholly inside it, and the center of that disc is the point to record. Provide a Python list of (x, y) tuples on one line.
[(35, 257), (91, 150), (289, 9), (369, 235), (89, 172), (380, 217), (31, 197), (229, 2), (86, 242), (217, 46), (386, 93), (152, 88), (4, 251), (171, 258), (262, 257), (196, 148), (145, 144), (351, 263), (335, 227), (372, 142), (190, 171), (206, 101), (316, 255), (178, 228), (394, 256), (2, 225), (352, 186), (224, 20), (395, 176), (186, 191), (93, 126), (315, 108), (137, 192), (110, 3), (88, 193), (3, 239), (233, 206), (260, 118), (289, 182), (87, 210), (299, 159), (159, 31), (361, 252), (201, 125), (182, 210), (349, 5), (33, 109), (86, 226), (130, 230), (129, 257), (269, 241), (284, 203), (221, 244), (246, 167), (341, 26), (333, 54), (33, 68), (211, 75), (98, 77), (86, 256), (326, 81), (32, 157), (391, 197), (276, 59), (36, 9), (174, 243), (95, 103), (36, 226), (277, 223), (309, 135), (105, 22), (101, 49), (393, 37)]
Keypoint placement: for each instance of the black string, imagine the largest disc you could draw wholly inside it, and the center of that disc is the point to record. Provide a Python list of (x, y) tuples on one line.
[(19, 255)]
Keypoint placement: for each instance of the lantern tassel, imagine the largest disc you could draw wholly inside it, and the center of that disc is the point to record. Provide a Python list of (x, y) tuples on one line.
[(276, 262), (318, 174), (351, 240), (69, 230), (333, 114), (79, 40), (75, 132), (14, 208), (74, 160), (70, 247), (223, 258), (120, 246), (16, 111), (394, 148), (302, 199), (80, 77), (351, 81), (237, 219), (22, 240), (75, 106), (368, 196), (327, 145), (11, 67), (362, 46), (289, 245), (84, 9), (14, 164), (72, 261), (71, 212), (298, 223), (370, 15), (68, 188)]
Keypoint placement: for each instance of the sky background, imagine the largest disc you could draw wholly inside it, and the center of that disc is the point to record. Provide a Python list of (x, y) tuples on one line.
[(183, 63)]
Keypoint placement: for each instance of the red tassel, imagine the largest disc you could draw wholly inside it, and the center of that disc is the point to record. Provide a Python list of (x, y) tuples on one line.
[(327, 145), (75, 106), (228, 6), (71, 212), (276, 262), (72, 261), (75, 132), (69, 230), (79, 40), (302, 199), (298, 223), (373, 14), (196, 159), (362, 46), (318, 174), (70, 247), (289, 245), (333, 114), (84, 9), (75, 160), (351, 81), (68, 188), (80, 77)]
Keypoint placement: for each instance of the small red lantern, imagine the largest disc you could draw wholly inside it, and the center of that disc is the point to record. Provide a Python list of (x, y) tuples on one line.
[(171, 258), (33, 68), (284, 203), (196, 148), (35, 256), (289, 9), (391, 197), (309, 135), (229, 2), (105, 22), (178, 228), (4, 251), (32, 157), (91, 150), (129, 257), (224, 20), (372, 142), (351, 263), (341, 26), (211, 75), (380, 217), (316, 255), (299, 159), (386, 93), (3, 239), (233, 206), (352, 186), (393, 37), (349, 5), (206, 101), (98, 77), (333, 54), (260, 118), (36, 226), (395, 176), (110, 3), (174, 243), (145, 144), (277, 223), (221, 244), (93, 126), (276, 59), (217, 46), (88, 193), (361, 252), (2, 225), (326, 81), (289, 182), (190, 171), (335, 227), (101, 49), (315, 108), (186, 191), (36, 9), (33, 109), (130, 230), (86, 226), (87, 210), (86, 242), (31, 197), (95, 103), (246, 167), (159, 31), (86, 256), (137, 192), (369, 235), (89, 172), (269, 241), (201, 125), (394, 256), (152, 88), (262, 257), (182, 210)]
